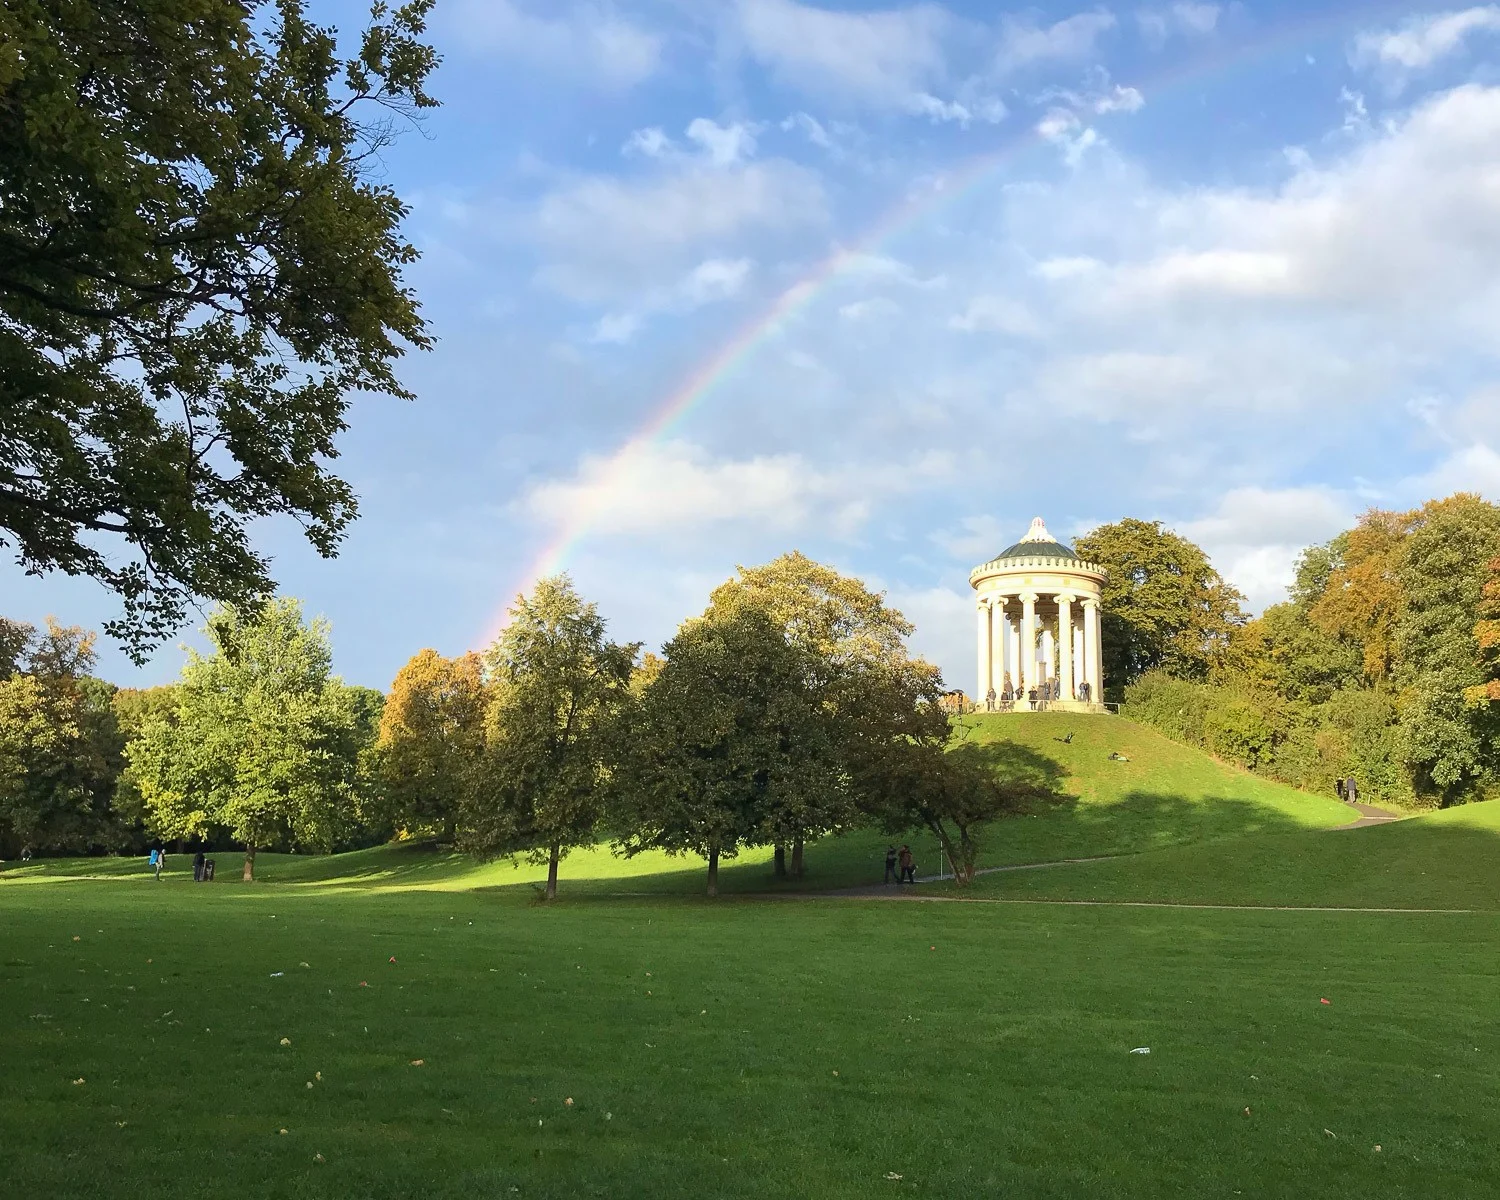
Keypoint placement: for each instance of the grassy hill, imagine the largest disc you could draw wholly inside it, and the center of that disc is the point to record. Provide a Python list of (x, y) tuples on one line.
[(1438, 860)]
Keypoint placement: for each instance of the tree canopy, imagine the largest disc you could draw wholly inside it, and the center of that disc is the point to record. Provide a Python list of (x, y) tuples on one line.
[(262, 742), (199, 266), (558, 686), (1164, 606)]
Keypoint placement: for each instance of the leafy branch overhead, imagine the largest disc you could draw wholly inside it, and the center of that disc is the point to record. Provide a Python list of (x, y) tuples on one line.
[(198, 268)]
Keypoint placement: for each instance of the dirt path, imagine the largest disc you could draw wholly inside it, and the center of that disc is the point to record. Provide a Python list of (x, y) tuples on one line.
[(1368, 815)]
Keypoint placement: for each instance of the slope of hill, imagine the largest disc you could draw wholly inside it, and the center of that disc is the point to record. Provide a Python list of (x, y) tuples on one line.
[(1438, 860), (1166, 794)]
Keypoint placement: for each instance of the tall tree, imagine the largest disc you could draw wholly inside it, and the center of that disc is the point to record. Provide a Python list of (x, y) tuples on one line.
[(1487, 637), (841, 627), (199, 265), (60, 745), (263, 743), (559, 685), (726, 741), (1449, 746), (431, 744), (1362, 596), (1164, 605)]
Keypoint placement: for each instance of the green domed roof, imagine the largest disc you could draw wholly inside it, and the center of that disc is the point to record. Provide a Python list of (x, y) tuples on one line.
[(1038, 549), (1037, 543)]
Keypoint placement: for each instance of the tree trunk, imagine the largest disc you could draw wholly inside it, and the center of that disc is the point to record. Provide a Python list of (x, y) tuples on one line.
[(249, 875), (797, 859), (448, 832), (552, 861), (713, 871), (780, 861)]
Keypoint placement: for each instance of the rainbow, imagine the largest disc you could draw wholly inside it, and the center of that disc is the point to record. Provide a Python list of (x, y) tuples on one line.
[(733, 354)]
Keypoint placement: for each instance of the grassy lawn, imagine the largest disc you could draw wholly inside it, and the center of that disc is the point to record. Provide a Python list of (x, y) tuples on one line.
[(765, 1047), (745, 1048)]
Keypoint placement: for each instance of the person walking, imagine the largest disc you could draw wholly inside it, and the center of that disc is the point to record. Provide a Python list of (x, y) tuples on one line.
[(198, 861), (908, 865), (1351, 790), (890, 865), (1338, 786), (160, 861)]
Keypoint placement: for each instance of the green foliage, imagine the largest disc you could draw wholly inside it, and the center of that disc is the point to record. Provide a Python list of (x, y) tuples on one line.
[(60, 745), (263, 742), (728, 742), (559, 686), (1449, 746), (1164, 606), (431, 744), (199, 266)]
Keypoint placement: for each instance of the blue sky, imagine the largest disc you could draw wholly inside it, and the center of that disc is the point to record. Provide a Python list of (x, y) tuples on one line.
[(1232, 266)]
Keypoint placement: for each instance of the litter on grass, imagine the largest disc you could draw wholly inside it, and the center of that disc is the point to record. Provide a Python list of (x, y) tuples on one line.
[(277, 974), (1141, 1050)]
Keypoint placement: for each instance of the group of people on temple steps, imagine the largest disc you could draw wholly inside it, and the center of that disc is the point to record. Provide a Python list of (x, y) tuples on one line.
[(1012, 697)]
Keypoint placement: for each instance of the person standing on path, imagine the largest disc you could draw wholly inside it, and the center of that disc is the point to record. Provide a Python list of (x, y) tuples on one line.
[(1351, 790), (198, 861), (890, 865), (908, 866)]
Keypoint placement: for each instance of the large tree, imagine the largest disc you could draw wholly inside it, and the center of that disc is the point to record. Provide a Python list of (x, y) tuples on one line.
[(199, 265), (1361, 596), (431, 744), (842, 629), (60, 745), (1165, 607), (263, 741), (1449, 746), (727, 741), (559, 685), (1487, 638)]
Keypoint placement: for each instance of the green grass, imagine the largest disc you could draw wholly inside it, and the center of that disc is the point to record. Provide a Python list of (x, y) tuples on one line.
[(1438, 860), (779, 1047), (699, 1043)]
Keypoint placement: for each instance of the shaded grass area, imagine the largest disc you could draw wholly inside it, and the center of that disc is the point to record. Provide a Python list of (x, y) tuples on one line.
[(1437, 860), (739, 1049)]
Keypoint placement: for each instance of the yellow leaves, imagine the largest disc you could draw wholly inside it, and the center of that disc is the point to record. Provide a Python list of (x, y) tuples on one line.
[(79, 1081), (286, 1041)]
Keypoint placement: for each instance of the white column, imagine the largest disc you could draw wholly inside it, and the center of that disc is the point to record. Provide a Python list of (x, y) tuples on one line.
[(1028, 639), (1013, 640), (1094, 657), (982, 676), (1065, 644), (1080, 659)]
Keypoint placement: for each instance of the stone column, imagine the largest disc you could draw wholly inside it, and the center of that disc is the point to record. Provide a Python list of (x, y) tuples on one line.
[(1093, 652), (981, 687), (1080, 659), (1013, 645), (1065, 643), (1028, 638)]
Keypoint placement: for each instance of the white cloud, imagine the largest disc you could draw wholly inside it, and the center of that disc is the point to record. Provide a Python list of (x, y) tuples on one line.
[(609, 237), (810, 127), (1062, 128), (863, 310), (880, 58), (1421, 41), (712, 280), (924, 105), (1256, 534), (1119, 99), (586, 42), (660, 488), (997, 314), (1473, 468), (1193, 20), (1405, 219), (723, 144), (1023, 42), (648, 143)]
